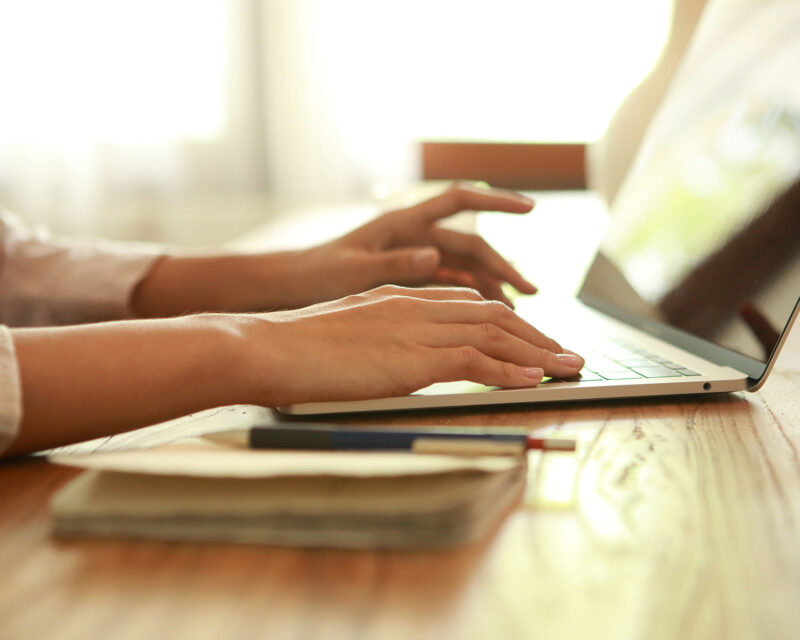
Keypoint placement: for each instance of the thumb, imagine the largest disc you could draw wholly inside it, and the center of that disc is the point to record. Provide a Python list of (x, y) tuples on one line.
[(406, 266)]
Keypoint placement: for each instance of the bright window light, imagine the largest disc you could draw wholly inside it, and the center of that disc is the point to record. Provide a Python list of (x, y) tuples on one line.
[(121, 71), (505, 70)]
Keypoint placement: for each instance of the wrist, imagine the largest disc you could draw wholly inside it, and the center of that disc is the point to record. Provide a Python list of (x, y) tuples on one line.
[(262, 357), (217, 354)]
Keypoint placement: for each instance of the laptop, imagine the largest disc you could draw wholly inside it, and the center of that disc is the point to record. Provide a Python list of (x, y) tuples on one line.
[(695, 283)]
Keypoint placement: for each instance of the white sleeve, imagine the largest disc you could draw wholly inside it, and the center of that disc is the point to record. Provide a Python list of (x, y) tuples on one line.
[(45, 281), (10, 390)]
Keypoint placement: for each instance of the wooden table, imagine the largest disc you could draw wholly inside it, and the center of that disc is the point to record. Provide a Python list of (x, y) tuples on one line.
[(676, 519)]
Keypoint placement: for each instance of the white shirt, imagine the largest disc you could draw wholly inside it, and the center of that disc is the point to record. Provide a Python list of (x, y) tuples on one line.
[(45, 281)]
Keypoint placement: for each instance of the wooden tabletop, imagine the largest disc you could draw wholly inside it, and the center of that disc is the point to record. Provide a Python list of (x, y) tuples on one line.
[(676, 519)]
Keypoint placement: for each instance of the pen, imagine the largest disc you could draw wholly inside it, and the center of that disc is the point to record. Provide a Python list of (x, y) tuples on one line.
[(460, 441)]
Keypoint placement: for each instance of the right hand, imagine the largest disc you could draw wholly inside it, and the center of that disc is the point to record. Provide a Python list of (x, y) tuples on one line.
[(391, 341)]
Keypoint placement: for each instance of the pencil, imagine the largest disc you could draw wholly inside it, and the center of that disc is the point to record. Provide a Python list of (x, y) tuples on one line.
[(457, 441)]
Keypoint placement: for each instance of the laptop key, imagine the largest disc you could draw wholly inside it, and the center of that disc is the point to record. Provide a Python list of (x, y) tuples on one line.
[(619, 375), (687, 372), (594, 363), (635, 363), (656, 372)]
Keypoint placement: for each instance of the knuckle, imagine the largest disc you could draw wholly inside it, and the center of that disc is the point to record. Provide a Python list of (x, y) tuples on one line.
[(366, 296), (388, 291), (474, 294), (492, 332), (547, 343), (456, 194), (553, 346), (468, 357)]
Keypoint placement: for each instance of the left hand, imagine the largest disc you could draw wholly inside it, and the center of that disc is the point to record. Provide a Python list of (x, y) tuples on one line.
[(408, 247), (403, 247)]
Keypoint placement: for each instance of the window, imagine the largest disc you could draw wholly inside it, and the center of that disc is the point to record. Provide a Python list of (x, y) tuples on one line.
[(144, 71)]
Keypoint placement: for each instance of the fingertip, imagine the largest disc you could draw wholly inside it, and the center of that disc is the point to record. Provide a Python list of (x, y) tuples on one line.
[(525, 202), (524, 287), (528, 202), (518, 206), (570, 360), (525, 199)]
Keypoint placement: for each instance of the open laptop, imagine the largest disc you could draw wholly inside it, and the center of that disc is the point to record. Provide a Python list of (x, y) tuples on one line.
[(695, 284)]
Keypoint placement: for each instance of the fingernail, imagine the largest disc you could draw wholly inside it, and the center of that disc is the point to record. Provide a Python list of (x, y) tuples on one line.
[(535, 373), (425, 260), (526, 199), (570, 360)]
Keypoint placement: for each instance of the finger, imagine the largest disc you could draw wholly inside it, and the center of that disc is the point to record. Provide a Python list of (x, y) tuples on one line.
[(484, 282), (420, 265), (470, 312), (489, 288), (463, 279), (497, 343), (407, 266), (474, 249), (464, 196), (446, 275), (468, 363)]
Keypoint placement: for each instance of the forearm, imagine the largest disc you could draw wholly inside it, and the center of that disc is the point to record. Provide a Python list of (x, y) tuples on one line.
[(87, 381), (234, 283)]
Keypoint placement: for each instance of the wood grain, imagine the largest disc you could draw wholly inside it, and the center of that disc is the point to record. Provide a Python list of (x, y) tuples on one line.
[(676, 519)]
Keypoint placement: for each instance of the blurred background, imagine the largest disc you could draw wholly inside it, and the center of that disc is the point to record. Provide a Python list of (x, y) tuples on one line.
[(191, 121)]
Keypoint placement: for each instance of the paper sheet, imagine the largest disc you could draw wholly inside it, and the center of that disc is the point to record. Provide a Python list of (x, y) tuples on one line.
[(239, 416), (201, 458)]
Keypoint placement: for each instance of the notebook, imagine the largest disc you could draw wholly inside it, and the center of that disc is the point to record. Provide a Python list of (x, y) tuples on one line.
[(694, 285), (195, 490)]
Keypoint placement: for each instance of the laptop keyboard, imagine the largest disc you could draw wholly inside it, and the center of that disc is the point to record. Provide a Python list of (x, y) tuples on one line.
[(620, 361)]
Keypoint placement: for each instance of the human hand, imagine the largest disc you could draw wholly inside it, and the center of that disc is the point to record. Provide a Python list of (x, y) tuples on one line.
[(87, 381), (392, 341), (408, 247), (404, 247)]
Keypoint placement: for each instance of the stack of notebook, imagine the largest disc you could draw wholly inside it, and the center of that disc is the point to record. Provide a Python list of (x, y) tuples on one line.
[(199, 490)]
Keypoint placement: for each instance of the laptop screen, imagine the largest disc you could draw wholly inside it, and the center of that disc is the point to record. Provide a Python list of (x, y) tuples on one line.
[(705, 231)]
